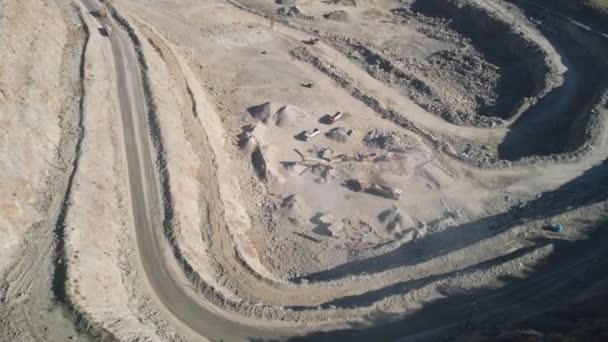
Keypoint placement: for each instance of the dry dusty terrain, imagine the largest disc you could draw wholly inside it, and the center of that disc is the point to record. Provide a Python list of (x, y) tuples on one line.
[(303, 170)]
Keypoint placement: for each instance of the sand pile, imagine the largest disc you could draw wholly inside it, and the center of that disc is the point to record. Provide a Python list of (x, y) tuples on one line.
[(399, 225), (258, 160), (346, 3), (252, 139), (272, 113), (390, 141), (340, 134), (293, 11), (337, 16), (293, 210)]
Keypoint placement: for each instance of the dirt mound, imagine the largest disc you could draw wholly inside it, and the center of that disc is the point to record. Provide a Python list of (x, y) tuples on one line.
[(390, 141), (291, 210), (287, 114), (276, 114), (340, 134), (258, 160), (293, 11), (398, 224), (337, 16), (264, 111), (286, 2), (345, 3)]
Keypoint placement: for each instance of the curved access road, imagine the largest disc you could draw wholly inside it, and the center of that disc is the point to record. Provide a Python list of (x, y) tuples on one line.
[(146, 204)]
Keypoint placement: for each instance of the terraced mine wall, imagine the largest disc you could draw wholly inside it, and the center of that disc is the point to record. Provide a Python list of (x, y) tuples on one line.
[(501, 44), (585, 120)]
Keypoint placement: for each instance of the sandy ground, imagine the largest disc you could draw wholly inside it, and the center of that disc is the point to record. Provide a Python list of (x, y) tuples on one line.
[(39, 114), (33, 118), (440, 183)]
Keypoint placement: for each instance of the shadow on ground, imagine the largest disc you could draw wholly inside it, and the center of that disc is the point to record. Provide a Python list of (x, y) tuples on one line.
[(589, 188), (548, 293)]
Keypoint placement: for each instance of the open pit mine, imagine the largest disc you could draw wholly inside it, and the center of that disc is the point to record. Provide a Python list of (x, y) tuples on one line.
[(303, 170)]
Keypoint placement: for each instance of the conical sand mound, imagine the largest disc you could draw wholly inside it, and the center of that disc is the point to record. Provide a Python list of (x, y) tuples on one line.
[(275, 113)]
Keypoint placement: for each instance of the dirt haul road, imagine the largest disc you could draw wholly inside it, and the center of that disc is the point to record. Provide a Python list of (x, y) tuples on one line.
[(196, 316), (147, 213)]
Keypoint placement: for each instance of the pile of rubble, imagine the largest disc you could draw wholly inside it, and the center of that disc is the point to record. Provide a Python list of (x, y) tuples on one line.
[(389, 140)]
